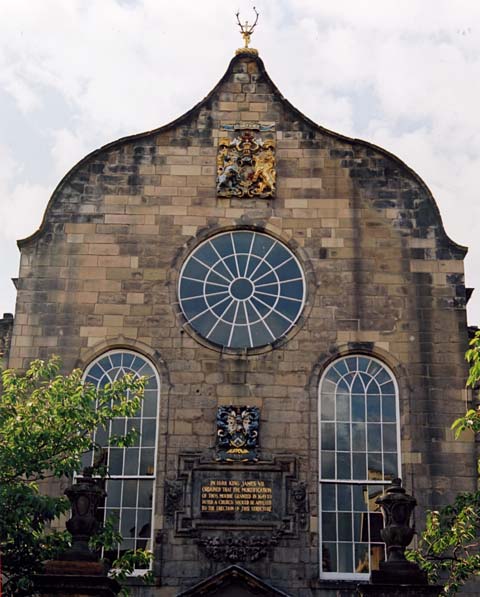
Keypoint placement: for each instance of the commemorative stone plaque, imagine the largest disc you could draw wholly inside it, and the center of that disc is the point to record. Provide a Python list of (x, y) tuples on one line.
[(236, 495), (236, 507)]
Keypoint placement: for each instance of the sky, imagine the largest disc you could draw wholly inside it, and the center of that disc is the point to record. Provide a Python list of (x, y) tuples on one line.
[(77, 74)]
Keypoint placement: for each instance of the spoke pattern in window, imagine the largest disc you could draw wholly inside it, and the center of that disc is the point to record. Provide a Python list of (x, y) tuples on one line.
[(358, 454), (130, 485), (242, 289)]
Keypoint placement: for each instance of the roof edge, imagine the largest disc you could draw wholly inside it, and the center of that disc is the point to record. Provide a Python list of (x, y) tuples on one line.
[(239, 56)]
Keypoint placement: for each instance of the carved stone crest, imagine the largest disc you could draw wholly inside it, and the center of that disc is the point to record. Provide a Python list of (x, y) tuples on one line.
[(237, 433), (246, 166), (173, 497), (300, 503), (243, 548)]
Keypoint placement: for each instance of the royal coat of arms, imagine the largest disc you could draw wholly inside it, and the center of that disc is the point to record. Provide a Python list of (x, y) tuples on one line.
[(237, 433), (246, 166)]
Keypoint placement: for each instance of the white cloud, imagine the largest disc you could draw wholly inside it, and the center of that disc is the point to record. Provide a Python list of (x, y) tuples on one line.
[(21, 203), (68, 148), (406, 79)]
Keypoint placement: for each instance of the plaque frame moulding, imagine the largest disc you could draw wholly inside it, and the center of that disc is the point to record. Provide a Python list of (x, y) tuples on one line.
[(287, 515)]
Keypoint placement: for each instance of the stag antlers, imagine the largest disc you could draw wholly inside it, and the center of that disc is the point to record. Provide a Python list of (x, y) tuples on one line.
[(246, 29)]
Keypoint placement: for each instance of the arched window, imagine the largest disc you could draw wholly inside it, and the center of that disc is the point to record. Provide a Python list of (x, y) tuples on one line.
[(359, 455), (130, 485)]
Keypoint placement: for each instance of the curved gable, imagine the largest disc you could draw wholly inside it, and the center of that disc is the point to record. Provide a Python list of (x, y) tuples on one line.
[(122, 167)]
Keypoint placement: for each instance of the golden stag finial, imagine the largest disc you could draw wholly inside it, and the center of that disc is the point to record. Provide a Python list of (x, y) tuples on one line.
[(246, 30)]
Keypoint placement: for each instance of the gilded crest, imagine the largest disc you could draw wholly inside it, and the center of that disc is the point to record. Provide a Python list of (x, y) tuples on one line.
[(246, 166), (237, 433)]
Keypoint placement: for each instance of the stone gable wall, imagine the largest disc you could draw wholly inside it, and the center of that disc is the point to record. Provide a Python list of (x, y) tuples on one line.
[(382, 277)]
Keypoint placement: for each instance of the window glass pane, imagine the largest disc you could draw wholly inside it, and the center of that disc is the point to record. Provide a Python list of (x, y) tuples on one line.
[(341, 367), (358, 407), (359, 437), (114, 491), (351, 363), (328, 497), (101, 436), (220, 333), (363, 363), (343, 407), (343, 436), (376, 525), (115, 461), (382, 376), (329, 526), (344, 497), (360, 498), (344, 526), (328, 407), (131, 461), (146, 461), (129, 493), (374, 438), (343, 465), (291, 289), (388, 388), (373, 408), (134, 424), (145, 493), (277, 324), (144, 518), (390, 466), (328, 465), (148, 432), (359, 466), (373, 491), (329, 557), (328, 436), (362, 563), (389, 437), (127, 525), (113, 514), (375, 467), (119, 427), (261, 334), (358, 524), (345, 557), (333, 376), (388, 408)]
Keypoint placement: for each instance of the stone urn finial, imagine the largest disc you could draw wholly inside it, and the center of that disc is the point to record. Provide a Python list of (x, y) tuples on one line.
[(85, 496), (397, 507)]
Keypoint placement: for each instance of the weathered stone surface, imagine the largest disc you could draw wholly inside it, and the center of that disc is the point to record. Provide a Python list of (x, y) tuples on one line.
[(382, 278), (6, 326)]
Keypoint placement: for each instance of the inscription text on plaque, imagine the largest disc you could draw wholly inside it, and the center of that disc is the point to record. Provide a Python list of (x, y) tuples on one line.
[(232, 495)]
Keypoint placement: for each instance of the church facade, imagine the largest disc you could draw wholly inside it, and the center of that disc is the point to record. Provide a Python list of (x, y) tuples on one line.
[(299, 310)]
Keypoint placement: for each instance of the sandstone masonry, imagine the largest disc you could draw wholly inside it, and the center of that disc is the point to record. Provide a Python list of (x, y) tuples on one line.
[(383, 279)]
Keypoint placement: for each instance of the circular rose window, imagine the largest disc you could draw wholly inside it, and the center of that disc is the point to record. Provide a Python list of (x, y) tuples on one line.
[(241, 289)]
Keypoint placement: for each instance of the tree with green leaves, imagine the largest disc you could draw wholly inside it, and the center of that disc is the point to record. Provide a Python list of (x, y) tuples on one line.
[(47, 424), (449, 547)]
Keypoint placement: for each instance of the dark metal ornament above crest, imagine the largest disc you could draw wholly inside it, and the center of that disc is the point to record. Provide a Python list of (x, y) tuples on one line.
[(246, 31)]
